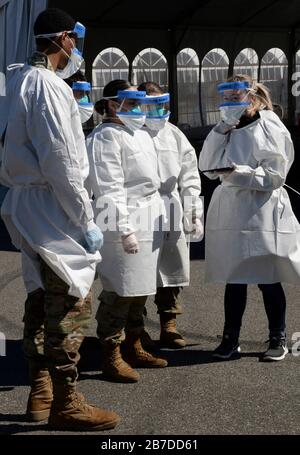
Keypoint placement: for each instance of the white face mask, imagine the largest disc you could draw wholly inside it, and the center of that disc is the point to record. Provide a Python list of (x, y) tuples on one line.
[(232, 114), (73, 65), (156, 124), (132, 122), (85, 111)]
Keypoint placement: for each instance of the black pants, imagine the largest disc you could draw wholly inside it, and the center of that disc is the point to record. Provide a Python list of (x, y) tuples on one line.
[(235, 303)]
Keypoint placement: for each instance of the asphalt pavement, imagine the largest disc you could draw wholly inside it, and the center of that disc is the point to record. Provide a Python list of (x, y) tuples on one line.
[(194, 395)]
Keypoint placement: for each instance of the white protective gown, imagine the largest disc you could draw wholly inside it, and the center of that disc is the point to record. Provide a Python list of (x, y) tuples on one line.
[(180, 184), (252, 234), (45, 164), (124, 174)]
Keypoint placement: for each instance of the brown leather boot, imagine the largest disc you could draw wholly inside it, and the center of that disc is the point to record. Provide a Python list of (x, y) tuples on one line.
[(40, 396), (70, 411), (114, 367), (136, 356), (169, 337)]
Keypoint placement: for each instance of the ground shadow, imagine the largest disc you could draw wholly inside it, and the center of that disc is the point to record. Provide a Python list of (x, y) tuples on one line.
[(13, 366)]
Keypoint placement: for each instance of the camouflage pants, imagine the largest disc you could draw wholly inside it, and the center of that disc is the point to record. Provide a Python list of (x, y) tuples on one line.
[(168, 301), (54, 326), (117, 315)]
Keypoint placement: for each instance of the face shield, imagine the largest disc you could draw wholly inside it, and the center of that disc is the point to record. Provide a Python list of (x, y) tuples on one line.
[(78, 33), (156, 109), (129, 111), (81, 90), (130, 102), (233, 100)]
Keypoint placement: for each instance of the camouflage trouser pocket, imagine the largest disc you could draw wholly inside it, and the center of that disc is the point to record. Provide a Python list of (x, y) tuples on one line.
[(66, 319)]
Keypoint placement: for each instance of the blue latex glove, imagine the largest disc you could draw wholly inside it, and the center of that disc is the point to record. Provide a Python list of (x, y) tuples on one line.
[(94, 239)]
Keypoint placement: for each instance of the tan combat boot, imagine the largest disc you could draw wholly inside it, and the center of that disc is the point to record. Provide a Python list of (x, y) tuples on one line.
[(114, 367), (136, 356), (169, 337), (70, 411), (40, 396)]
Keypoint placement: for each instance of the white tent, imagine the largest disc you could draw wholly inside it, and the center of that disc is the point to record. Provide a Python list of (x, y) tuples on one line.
[(16, 30)]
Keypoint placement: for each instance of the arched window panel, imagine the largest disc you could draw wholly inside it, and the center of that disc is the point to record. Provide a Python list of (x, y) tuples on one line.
[(274, 74), (188, 88), (110, 64), (246, 62), (214, 69), (150, 65)]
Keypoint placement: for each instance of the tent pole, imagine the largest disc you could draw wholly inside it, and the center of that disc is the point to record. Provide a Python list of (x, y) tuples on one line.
[(172, 75), (291, 71)]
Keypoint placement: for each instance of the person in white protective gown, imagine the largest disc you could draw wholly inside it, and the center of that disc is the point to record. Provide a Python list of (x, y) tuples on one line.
[(252, 234), (124, 180), (50, 218), (180, 189), (81, 91)]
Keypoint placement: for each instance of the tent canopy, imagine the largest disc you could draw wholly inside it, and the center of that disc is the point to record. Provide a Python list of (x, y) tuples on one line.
[(266, 14), (201, 25)]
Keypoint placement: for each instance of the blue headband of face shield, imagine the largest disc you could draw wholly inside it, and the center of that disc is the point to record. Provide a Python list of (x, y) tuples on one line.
[(82, 86), (131, 95), (237, 85), (156, 106)]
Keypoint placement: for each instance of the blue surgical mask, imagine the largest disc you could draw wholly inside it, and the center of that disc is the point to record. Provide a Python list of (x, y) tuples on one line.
[(156, 112), (84, 100)]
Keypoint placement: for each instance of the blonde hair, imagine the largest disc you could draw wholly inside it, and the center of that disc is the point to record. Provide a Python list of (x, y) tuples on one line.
[(260, 93)]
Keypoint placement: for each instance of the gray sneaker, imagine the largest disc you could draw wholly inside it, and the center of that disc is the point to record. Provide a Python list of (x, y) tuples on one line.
[(277, 349)]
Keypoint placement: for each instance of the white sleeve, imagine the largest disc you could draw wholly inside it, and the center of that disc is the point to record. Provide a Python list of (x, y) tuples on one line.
[(107, 176), (274, 152), (189, 182), (212, 155), (50, 131)]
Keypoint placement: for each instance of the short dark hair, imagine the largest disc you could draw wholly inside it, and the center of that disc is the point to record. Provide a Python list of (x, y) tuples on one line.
[(110, 90), (78, 76), (53, 20)]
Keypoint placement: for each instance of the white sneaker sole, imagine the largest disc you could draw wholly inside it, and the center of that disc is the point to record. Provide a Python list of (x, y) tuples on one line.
[(275, 359), (226, 357)]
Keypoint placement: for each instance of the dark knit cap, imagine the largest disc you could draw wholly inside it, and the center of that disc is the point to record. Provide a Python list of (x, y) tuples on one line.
[(53, 20)]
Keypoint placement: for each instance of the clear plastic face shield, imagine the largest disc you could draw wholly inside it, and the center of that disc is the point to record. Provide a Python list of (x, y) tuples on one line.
[(75, 59), (130, 102), (78, 33), (129, 108), (81, 91), (234, 100), (156, 109)]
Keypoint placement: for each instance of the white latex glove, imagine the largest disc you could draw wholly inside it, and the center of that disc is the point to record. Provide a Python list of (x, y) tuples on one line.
[(130, 243), (197, 229)]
